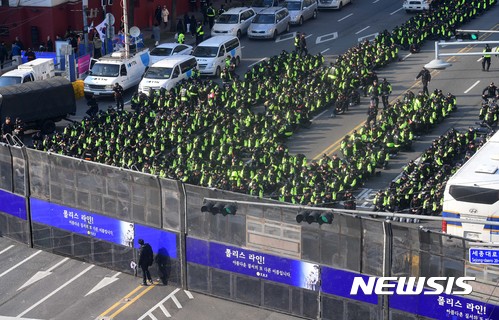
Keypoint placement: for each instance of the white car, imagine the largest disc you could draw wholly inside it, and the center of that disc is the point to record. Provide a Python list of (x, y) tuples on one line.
[(333, 4), (233, 22), (301, 10), (416, 5), (169, 49)]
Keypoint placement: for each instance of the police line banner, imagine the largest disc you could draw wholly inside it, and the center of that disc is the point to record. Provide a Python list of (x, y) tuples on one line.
[(101, 227), (251, 263), (410, 294), (13, 204)]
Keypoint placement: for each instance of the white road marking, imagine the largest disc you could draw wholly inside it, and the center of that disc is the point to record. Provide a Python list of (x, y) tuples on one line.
[(362, 30), (317, 116), (160, 305), (329, 37), (406, 56), (286, 36), (474, 85), (6, 249), (189, 294), (347, 16), (307, 36), (55, 291), (42, 274), (396, 11), (20, 263), (324, 51), (375, 1), (177, 303), (242, 47), (372, 35), (104, 282), (263, 59)]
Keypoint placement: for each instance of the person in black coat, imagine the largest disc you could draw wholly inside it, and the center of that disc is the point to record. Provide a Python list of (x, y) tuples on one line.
[(146, 259)]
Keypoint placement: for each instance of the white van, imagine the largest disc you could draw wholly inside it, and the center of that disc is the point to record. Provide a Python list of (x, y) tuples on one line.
[(167, 73), (211, 54), (115, 68)]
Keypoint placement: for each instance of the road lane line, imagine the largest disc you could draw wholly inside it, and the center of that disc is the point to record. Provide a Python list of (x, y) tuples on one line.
[(375, 1), (263, 59), (396, 11), (177, 303), (317, 116), (12, 246), (20, 263), (189, 294), (347, 16), (129, 303), (324, 51), (362, 30), (55, 291), (406, 56), (474, 85), (119, 302), (159, 304)]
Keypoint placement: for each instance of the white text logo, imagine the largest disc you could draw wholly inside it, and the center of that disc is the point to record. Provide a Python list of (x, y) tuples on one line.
[(412, 285)]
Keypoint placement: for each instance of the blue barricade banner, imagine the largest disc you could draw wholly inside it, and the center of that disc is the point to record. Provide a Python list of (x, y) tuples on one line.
[(13, 204)]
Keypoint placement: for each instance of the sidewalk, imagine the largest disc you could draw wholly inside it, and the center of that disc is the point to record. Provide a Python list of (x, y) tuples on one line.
[(169, 36)]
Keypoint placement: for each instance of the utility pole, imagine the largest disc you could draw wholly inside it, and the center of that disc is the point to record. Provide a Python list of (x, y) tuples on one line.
[(85, 25)]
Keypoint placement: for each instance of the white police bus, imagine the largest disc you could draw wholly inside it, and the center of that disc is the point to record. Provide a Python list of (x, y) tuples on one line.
[(472, 193)]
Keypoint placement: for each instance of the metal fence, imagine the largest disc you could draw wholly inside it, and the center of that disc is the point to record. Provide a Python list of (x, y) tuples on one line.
[(350, 244)]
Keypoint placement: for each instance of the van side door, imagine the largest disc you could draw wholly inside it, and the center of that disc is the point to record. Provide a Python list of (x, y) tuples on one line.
[(123, 77)]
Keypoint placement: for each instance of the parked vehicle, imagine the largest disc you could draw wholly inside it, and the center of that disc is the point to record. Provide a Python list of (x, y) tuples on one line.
[(167, 73), (169, 49), (301, 10), (234, 22), (416, 5), (211, 54), (269, 23), (259, 5), (333, 4), (38, 69), (115, 68), (39, 103)]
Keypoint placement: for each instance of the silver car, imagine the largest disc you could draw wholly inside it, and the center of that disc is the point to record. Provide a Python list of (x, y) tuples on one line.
[(301, 10), (269, 23), (234, 22), (168, 49)]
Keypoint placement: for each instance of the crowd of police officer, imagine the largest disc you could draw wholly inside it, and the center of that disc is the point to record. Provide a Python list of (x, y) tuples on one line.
[(210, 135)]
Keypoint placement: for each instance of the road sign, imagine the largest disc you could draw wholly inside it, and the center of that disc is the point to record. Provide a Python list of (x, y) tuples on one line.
[(484, 256)]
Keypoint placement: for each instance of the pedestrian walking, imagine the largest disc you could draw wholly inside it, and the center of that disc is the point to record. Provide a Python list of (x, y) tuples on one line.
[(50, 44), (16, 53), (3, 54), (146, 259), (156, 33), (386, 90), (30, 55), (486, 58), (303, 45), (157, 15), (193, 25), (118, 96), (210, 13), (297, 43), (164, 15), (199, 33), (180, 37), (425, 76)]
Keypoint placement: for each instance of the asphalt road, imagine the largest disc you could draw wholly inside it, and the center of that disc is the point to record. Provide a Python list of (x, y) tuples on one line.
[(40, 285)]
